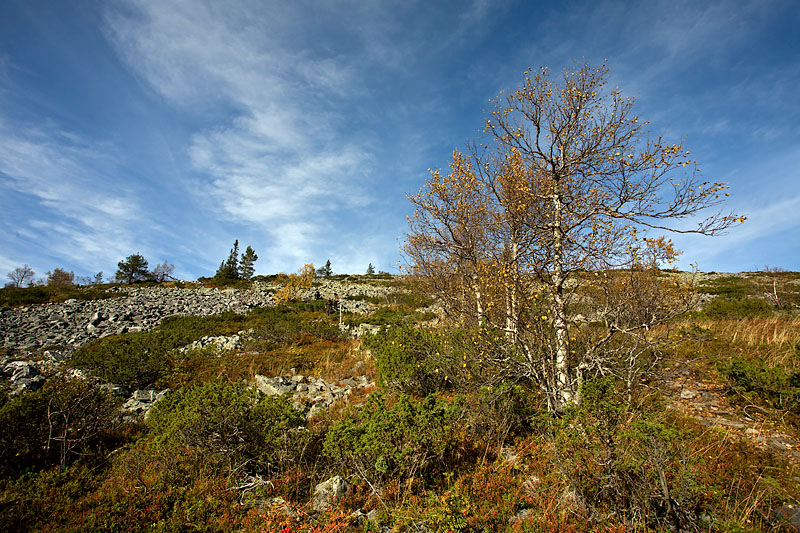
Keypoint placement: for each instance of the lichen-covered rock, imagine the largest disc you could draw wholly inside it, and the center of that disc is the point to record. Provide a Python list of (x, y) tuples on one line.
[(328, 492), (142, 400)]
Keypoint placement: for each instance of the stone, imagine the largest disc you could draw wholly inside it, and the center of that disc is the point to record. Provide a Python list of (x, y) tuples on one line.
[(20, 370), (688, 394), (30, 384), (789, 515), (522, 515), (328, 492), (274, 386)]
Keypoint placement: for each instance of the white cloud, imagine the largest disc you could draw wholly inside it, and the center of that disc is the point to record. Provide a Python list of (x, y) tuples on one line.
[(81, 213), (278, 160)]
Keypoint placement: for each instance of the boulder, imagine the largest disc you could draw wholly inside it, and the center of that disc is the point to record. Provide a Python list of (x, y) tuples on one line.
[(328, 493), (274, 386)]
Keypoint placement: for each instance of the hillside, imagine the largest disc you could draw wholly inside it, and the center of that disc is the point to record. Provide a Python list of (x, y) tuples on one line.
[(185, 406)]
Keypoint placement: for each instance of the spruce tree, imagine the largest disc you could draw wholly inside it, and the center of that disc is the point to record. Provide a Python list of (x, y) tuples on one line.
[(325, 270), (229, 269), (246, 268)]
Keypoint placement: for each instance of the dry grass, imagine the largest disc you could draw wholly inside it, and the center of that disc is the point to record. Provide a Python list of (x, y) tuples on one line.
[(776, 338)]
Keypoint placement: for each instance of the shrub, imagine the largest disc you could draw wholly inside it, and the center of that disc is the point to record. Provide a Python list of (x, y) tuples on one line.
[(408, 360), (139, 360), (628, 464), (754, 381), (11, 296), (65, 420), (394, 437), (135, 360), (737, 308), (160, 488), (231, 425), (295, 284), (727, 286)]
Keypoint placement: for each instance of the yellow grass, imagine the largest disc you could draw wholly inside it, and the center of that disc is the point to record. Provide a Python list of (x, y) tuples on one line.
[(776, 338)]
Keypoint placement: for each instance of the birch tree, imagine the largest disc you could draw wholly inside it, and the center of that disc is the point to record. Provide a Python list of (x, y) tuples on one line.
[(568, 192)]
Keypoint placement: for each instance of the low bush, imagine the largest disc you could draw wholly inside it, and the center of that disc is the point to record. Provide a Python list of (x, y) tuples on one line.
[(624, 464), (727, 286), (737, 308), (754, 382), (395, 437), (12, 296), (390, 316), (134, 360), (408, 360), (160, 488), (232, 426), (65, 420)]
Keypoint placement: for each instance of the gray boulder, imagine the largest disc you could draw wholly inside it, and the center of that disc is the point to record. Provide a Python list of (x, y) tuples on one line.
[(274, 386), (328, 493)]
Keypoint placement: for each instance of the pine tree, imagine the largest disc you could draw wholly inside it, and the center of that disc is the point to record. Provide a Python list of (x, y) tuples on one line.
[(325, 270), (133, 268), (246, 268), (370, 269), (229, 268)]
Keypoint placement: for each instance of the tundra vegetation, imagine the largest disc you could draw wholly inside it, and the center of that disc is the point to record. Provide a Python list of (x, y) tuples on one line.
[(537, 370), (447, 439)]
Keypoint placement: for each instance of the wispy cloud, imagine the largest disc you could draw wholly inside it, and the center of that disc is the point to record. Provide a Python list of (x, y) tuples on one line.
[(77, 211), (277, 160)]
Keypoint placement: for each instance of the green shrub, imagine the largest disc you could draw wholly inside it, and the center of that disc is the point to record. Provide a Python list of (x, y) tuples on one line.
[(727, 286), (139, 360), (408, 360), (293, 324), (390, 316), (394, 437), (135, 360), (756, 382), (633, 465), (232, 425), (65, 420), (12, 296), (737, 308)]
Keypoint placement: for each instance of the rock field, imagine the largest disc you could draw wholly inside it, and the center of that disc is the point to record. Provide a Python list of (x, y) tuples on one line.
[(43, 335)]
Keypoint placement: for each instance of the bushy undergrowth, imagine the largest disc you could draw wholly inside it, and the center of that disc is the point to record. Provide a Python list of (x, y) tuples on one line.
[(754, 382), (139, 360), (408, 359), (423, 361), (233, 426), (448, 442), (395, 437), (12, 296), (390, 316), (737, 308), (66, 420)]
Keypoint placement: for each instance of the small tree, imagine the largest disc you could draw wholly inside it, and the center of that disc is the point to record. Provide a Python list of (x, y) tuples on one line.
[(246, 268), (325, 270), (162, 272), (229, 269), (20, 275), (98, 278), (370, 269), (296, 283), (545, 228), (132, 269), (60, 278)]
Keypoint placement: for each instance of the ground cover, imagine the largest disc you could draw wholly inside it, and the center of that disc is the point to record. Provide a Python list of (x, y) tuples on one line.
[(707, 440)]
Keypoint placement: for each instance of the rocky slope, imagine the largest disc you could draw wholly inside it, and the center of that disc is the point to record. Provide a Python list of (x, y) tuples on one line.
[(68, 325)]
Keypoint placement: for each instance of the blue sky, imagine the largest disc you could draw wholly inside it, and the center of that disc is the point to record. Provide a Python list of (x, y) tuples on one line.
[(172, 128)]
